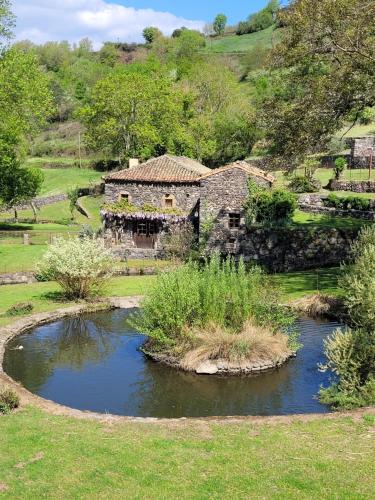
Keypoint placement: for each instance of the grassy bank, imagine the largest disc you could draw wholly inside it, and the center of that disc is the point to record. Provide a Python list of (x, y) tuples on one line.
[(45, 296), (58, 457)]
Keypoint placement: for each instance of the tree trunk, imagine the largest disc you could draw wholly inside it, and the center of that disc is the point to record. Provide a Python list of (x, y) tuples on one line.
[(15, 214)]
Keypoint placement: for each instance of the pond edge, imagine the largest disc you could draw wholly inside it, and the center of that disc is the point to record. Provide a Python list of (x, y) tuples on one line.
[(27, 398)]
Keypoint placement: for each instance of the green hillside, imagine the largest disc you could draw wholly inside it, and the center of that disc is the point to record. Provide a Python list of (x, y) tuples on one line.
[(243, 43)]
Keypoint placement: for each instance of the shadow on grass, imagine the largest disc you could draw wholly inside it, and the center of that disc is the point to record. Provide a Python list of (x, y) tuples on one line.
[(328, 221), (5, 226), (55, 296), (295, 284)]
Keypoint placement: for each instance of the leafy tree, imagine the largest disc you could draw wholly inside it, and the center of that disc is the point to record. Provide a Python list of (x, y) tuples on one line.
[(151, 33), (221, 121), (177, 32), (25, 97), (108, 54), (219, 24), (132, 114), (322, 73), (17, 184), (7, 23)]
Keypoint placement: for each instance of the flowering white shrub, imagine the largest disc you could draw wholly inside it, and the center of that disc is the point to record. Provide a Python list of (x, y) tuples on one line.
[(79, 265)]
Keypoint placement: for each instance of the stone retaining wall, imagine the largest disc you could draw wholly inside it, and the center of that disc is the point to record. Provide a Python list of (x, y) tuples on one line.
[(287, 249), (314, 203), (354, 186)]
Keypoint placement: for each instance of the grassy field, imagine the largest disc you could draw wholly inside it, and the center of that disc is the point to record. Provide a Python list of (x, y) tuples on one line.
[(59, 213), (20, 258), (320, 220), (46, 297), (58, 181), (51, 456), (325, 174), (243, 43)]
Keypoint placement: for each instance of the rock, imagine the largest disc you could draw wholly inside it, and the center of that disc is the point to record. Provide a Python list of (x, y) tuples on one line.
[(207, 368)]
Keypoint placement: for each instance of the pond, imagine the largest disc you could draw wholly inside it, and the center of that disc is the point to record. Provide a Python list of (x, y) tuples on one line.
[(93, 362)]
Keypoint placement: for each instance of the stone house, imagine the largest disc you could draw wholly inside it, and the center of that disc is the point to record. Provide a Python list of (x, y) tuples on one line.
[(172, 190), (362, 152)]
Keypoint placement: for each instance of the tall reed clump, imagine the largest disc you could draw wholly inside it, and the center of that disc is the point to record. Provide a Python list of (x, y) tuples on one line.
[(217, 295), (350, 353)]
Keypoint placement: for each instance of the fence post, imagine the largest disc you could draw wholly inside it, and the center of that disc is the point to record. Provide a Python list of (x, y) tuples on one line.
[(26, 239)]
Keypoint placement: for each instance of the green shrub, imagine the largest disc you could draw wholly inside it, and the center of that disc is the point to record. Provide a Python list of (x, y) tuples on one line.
[(351, 357), (269, 207), (340, 166), (79, 265), (333, 200), (20, 308), (351, 353), (8, 401), (219, 293), (347, 202), (303, 184)]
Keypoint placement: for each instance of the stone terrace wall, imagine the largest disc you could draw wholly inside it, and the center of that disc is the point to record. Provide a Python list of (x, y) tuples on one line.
[(355, 186), (287, 249), (314, 203)]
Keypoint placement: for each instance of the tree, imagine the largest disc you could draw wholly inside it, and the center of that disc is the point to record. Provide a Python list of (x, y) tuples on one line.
[(79, 265), (177, 32), (219, 24), (322, 73), (7, 23), (221, 120), (108, 54), (17, 184), (133, 113), (26, 101), (151, 33)]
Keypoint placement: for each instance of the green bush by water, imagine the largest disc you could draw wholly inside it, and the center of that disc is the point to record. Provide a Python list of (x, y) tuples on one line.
[(220, 293), (351, 353)]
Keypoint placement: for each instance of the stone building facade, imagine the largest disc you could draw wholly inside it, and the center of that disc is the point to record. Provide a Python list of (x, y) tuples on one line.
[(178, 189), (361, 150)]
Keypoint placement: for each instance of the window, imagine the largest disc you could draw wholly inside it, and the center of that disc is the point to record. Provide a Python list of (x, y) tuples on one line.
[(234, 221), (169, 201), (124, 197)]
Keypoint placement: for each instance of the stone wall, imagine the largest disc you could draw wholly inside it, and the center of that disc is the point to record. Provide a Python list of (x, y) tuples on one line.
[(358, 146), (314, 203), (222, 194), (354, 186), (186, 196), (287, 249)]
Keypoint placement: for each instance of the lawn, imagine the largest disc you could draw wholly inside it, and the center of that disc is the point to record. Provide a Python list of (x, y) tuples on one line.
[(58, 181), (16, 257), (51, 456), (325, 174), (320, 220), (45, 296), (243, 43), (60, 213)]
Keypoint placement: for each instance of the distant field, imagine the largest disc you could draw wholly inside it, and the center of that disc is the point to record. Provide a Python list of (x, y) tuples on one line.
[(243, 43), (325, 174), (58, 181), (358, 131), (60, 213)]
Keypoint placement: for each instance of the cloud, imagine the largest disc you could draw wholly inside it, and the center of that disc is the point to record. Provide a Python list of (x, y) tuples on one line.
[(72, 20)]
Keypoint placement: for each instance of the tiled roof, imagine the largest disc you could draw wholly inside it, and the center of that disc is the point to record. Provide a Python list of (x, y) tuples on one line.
[(242, 165), (165, 168)]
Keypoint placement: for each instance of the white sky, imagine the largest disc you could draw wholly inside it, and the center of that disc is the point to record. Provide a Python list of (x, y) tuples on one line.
[(72, 20)]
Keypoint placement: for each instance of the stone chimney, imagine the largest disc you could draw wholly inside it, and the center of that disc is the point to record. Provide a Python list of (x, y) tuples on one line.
[(133, 162)]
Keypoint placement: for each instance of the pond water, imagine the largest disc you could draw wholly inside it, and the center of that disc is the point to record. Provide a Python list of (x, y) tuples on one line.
[(93, 362)]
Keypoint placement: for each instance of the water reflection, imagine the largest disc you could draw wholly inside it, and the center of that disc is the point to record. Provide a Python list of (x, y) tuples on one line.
[(93, 362)]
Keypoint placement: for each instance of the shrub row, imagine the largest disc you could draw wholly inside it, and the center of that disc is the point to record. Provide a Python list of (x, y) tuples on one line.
[(347, 202)]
